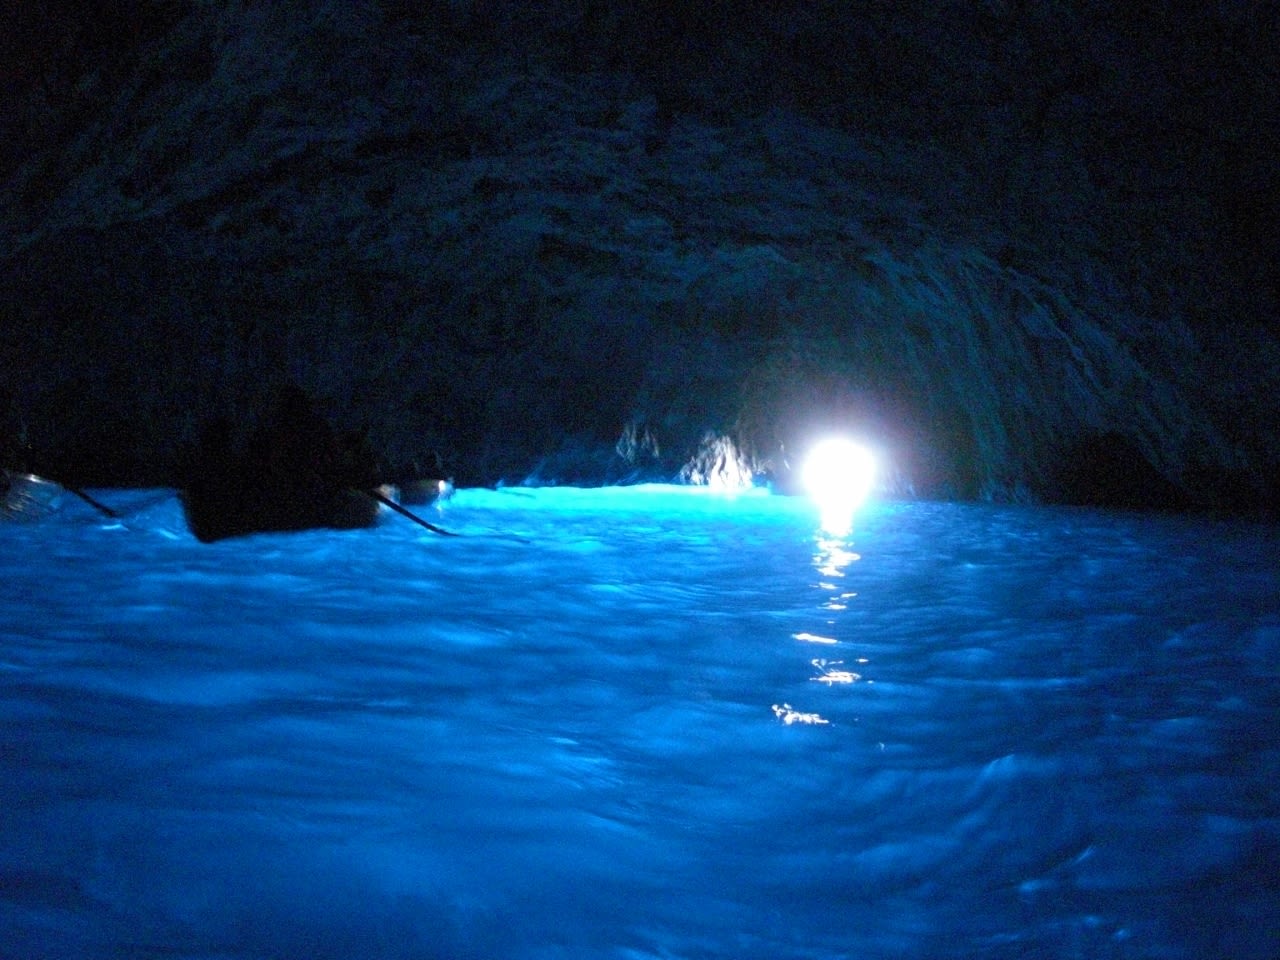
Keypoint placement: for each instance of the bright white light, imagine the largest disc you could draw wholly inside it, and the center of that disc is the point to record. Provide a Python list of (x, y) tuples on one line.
[(789, 715), (838, 476)]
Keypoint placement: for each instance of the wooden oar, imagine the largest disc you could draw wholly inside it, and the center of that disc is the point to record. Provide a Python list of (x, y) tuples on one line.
[(100, 507), (388, 502)]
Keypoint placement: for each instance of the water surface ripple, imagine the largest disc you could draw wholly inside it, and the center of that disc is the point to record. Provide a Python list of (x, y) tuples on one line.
[(647, 723)]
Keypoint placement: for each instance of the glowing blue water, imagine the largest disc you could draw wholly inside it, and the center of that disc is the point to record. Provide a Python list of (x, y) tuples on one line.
[(669, 725)]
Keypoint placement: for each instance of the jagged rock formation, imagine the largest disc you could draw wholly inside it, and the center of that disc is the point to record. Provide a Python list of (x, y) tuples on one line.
[(568, 246)]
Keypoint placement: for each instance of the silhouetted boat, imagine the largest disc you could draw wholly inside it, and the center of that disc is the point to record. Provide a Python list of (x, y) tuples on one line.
[(422, 493), (232, 506), (293, 473), (25, 496)]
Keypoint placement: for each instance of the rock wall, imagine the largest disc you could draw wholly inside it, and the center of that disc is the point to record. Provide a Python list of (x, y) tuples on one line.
[(538, 249)]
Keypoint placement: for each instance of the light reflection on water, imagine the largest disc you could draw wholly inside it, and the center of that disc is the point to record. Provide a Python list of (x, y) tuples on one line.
[(641, 724), (833, 558)]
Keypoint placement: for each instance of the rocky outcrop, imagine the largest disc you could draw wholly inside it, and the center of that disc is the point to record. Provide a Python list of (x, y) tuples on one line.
[(573, 263)]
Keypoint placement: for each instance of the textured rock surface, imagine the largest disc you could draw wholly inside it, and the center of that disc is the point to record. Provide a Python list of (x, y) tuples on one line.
[(571, 245)]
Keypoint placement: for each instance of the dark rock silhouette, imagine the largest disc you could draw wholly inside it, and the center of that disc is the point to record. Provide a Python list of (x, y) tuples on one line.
[(1109, 470)]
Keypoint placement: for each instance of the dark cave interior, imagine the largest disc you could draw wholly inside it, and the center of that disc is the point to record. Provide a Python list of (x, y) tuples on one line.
[(1025, 248)]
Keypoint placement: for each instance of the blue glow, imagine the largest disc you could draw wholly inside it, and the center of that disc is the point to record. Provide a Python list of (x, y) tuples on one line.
[(641, 722)]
